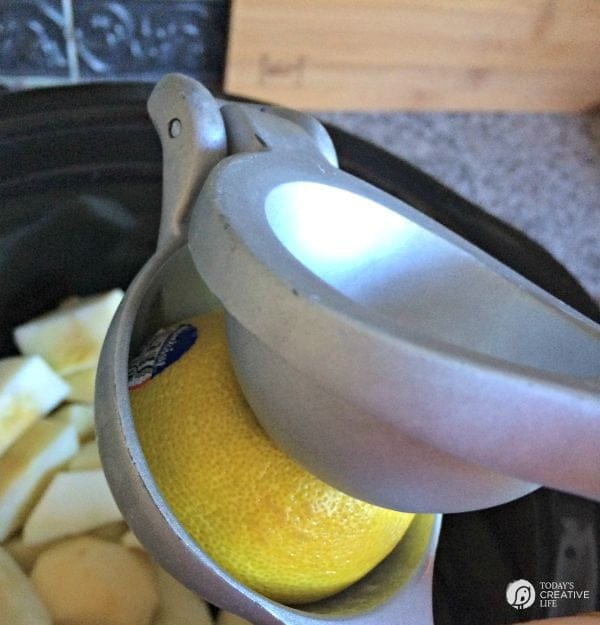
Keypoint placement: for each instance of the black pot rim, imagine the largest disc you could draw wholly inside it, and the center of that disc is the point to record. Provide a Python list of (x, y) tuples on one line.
[(32, 120)]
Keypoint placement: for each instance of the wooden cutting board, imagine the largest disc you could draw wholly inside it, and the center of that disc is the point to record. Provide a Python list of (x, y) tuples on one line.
[(530, 55)]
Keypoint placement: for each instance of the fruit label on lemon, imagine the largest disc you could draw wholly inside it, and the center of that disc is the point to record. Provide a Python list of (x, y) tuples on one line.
[(164, 348)]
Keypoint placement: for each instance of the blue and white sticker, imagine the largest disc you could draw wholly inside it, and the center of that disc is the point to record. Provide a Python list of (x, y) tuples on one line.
[(164, 348)]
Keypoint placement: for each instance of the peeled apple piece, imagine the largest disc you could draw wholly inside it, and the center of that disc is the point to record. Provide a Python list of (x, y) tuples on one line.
[(87, 458), (80, 416), (29, 389), (19, 603), (70, 337), (129, 539), (227, 618), (26, 468), (114, 532), (24, 555), (82, 385), (74, 503), (178, 605), (88, 581)]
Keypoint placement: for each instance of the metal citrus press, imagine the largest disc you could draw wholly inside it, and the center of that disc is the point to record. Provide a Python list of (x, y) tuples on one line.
[(390, 357)]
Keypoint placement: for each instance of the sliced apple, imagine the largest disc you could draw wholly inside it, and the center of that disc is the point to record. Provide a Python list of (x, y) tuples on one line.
[(88, 580), (70, 301), (70, 337), (80, 416), (74, 503), (27, 467), (114, 531), (29, 389), (82, 385), (227, 618), (24, 555), (19, 602), (87, 458), (178, 605), (129, 539)]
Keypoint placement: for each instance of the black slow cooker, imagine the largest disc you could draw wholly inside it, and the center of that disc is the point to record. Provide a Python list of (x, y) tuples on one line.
[(80, 191)]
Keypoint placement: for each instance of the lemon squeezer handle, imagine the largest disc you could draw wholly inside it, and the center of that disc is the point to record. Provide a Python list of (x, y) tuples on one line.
[(192, 133)]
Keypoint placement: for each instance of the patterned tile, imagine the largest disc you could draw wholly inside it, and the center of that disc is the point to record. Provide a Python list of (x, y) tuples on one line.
[(32, 38), (144, 39)]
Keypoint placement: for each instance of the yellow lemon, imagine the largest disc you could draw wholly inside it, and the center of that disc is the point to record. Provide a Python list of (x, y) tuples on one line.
[(255, 511)]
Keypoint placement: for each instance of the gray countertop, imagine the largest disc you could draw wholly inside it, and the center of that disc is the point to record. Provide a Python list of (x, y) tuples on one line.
[(541, 173)]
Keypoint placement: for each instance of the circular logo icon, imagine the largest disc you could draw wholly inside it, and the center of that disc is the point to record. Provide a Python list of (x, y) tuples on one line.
[(520, 594)]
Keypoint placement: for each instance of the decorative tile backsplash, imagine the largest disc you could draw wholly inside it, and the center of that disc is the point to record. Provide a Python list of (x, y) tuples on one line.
[(32, 38), (54, 41)]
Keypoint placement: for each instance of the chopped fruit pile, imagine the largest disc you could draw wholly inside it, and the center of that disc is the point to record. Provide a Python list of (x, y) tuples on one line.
[(66, 555)]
